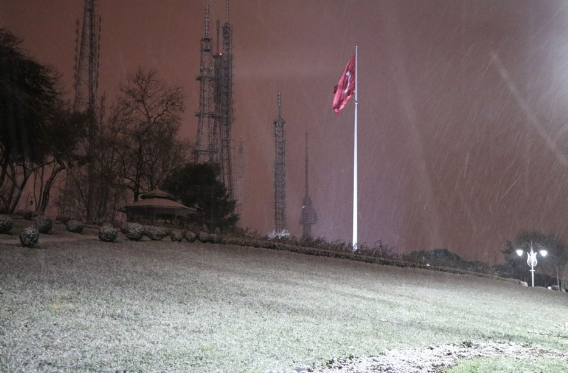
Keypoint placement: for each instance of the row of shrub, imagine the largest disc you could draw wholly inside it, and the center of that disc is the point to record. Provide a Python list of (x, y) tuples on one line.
[(377, 249), (41, 222), (442, 257), (136, 231), (29, 237), (344, 251), (377, 253)]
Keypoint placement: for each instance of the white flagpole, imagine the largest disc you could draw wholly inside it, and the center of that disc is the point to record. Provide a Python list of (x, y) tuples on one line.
[(355, 162)]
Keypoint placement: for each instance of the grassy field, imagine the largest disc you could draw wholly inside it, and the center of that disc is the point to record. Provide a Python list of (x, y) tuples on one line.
[(179, 307)]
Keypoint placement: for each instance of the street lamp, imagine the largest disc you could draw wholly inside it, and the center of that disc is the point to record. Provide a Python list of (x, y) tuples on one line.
[(531, 257)]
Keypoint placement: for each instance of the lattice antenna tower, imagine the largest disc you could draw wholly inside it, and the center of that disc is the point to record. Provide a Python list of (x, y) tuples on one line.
[(279, 170), (224, 101), (240, 191), (86, 82), (308, 216), (207, 144), (87, 55)]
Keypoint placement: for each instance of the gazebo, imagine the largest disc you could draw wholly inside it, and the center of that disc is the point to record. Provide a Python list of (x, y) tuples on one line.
[(157, 206)]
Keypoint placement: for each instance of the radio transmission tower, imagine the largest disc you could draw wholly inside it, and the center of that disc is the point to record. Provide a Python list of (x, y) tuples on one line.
[(309, 216), (216, 101), (86, 82), (87, 53), (224, 74), (207, 136), (279, 170), (239, 195)]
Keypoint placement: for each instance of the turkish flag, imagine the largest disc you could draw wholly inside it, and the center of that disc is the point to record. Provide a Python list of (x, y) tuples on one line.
[(343, 91)]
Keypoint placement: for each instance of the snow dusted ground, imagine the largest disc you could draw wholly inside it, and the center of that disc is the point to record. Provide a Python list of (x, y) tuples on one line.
[(433, 359), (180, 307)]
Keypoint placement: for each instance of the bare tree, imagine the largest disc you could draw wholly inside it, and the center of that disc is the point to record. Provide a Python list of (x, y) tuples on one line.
[(66, 131), (164, 154), (144, 126), (94, 191)]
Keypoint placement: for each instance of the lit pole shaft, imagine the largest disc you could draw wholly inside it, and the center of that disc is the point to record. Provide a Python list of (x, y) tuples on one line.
[(355, 162), (532, 274), (532, 259)]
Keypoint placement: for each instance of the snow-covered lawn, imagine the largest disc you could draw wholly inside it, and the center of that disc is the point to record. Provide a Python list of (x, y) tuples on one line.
[(179, 307)]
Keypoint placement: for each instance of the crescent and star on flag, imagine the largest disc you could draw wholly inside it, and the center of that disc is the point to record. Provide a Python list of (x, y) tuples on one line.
[(343, 91)]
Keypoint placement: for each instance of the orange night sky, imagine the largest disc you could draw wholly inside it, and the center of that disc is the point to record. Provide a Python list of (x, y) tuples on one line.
[(463, 106)]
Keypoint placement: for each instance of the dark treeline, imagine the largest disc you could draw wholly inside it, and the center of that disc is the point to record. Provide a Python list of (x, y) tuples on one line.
[(92, 160)]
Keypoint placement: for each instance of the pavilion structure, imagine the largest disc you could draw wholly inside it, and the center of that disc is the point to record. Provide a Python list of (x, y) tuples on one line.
[(157, 207)]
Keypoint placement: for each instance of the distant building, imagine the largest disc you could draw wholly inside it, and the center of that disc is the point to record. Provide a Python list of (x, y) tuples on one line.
[(157, 207)]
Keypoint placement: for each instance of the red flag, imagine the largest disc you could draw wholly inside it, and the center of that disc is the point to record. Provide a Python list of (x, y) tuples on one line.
[(343, 91)]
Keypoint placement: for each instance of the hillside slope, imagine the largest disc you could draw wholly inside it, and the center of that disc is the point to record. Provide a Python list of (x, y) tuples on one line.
[(179, 307)]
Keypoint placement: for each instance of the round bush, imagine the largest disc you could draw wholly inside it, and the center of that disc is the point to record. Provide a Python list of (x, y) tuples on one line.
[(155, 233), (176, 235), (134, 231), (190, 236), (43, 223), (107, 233), (6, 224), (204, 236), (29, 214), (74, 226), (29, 237), (214, 238)]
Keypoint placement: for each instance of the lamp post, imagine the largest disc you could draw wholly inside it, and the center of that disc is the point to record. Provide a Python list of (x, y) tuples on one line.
[(531, 257)]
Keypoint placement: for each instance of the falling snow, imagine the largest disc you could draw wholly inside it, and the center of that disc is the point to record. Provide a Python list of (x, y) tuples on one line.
[(462, 107)]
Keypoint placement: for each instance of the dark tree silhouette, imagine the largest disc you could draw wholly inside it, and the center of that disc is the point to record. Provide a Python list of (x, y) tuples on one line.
[(35, 130), (63, 135), (199, 186), (143, 127)]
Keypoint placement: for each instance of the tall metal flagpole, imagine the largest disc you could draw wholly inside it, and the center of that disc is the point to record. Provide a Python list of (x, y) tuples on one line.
[(355, 162)]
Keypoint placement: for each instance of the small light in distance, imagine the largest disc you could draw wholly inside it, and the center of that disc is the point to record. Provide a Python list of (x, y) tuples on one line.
[(519, 252), (543, 252)]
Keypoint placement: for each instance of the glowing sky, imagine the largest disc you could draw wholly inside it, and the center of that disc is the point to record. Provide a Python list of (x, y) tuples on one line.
[(462, 105)]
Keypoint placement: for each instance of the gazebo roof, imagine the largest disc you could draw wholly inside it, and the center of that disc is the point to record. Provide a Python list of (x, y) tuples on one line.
[(157, 193), (156, 199)]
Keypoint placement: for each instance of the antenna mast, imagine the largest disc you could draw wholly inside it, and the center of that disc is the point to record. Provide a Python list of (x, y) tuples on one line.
[(87, 54), (239, 195), (224, 73), (279, 171), (216, 101), (307, 187), (308, 216), (86, 81), (207, 142)]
